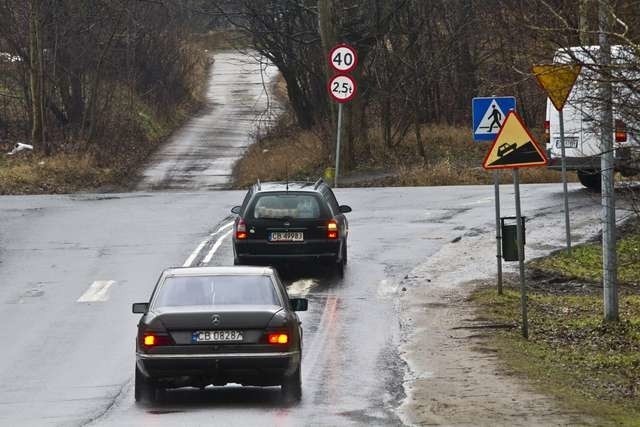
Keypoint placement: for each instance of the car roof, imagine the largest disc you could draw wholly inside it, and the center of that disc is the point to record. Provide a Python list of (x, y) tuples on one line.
[(289, 186), (219, 271)]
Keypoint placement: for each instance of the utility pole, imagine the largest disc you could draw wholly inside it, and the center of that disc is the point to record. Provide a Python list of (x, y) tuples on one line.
[(609, 261)]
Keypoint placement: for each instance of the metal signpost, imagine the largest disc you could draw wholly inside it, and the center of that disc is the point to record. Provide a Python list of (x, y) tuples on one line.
[(342, 87), (515, 148), (487, 116), (558, 80)]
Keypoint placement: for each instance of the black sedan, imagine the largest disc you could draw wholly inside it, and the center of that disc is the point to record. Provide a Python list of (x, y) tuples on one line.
[(219, 325)]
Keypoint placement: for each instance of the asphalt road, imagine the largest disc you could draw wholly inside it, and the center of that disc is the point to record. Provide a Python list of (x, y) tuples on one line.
[(65, 362), (200, 156)]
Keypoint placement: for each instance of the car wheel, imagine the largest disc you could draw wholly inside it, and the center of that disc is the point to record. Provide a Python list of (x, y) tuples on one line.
[(590, 179), (292, 387), (142, 389), (344, 253)]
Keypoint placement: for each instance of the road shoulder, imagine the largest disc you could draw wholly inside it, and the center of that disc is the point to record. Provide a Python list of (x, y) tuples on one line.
[(454, 376)]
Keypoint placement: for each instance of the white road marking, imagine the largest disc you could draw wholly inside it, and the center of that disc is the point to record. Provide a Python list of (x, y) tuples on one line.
[(215, 247), (202, 244), (195, 253), (97, 292)]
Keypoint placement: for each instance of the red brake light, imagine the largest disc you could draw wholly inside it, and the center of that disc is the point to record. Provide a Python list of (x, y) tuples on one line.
[(150, 339), (332, 229), (241, 229), (547, 133), (278, 338), (621, 131)]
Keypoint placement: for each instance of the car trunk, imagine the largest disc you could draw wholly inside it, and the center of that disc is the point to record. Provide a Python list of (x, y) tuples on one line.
[(264, 229), (226, 317)]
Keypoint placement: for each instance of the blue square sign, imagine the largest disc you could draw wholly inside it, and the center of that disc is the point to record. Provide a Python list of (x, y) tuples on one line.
[(488, 114)]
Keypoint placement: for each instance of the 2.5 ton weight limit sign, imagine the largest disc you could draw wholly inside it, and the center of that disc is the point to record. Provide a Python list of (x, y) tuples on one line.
[(342, 88), (343, 58)]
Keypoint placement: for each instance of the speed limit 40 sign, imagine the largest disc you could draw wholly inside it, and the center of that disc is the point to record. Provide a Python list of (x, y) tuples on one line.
[(342, 88), (343, 58)]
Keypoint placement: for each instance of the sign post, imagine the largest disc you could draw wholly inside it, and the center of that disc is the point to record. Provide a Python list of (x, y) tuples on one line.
[(515, 148), (342, 88), (488, 114), (558, 80)]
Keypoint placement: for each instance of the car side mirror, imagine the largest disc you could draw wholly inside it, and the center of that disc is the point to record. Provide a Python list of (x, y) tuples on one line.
[(236, 210), (299, 304), (344, 209), (140, 307)]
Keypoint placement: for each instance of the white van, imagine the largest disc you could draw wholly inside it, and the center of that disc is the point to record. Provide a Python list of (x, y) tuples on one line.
[(582, 116)]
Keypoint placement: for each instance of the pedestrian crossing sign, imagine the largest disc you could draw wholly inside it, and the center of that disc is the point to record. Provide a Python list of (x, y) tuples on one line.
[(488, 115), (514, 147)]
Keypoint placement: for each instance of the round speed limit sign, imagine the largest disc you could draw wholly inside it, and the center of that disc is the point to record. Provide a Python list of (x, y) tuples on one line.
[(343, 58), (342, 88)]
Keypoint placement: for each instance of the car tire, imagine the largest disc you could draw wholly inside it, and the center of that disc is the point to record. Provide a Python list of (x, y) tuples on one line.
[(143, 389), (590, 179), (239, 261), (292, 387), (344, 253)]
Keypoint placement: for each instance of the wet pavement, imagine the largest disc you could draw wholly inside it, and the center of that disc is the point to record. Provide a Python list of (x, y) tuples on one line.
[(239, 104), (66, 362)]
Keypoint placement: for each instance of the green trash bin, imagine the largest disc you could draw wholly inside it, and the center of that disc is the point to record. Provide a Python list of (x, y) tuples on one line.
[(510, 237)]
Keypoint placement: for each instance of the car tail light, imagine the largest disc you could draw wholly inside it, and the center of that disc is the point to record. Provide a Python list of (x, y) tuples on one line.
[(332, 229), (547, 132), (152, 339), (621, 131), (278, 338), (241, 229)]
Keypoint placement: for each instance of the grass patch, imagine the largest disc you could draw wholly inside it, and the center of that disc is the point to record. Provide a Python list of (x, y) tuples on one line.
[(452, 158), (61, 173), (572, 354), (278, 155), (585, 261)]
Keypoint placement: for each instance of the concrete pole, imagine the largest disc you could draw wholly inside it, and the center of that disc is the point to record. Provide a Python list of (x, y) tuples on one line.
[(609, 261)]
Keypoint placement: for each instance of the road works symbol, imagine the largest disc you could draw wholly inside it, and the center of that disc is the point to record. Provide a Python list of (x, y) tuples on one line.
[(557, 80), (514, 147), (488, 114)]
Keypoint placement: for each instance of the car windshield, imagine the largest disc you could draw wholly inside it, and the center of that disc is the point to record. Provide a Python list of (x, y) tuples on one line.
[(216, 290), (294, 206)]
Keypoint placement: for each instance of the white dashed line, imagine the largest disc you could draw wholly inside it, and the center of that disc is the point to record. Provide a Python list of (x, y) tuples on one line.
[(202, 244), (215, 247), (97, 292)]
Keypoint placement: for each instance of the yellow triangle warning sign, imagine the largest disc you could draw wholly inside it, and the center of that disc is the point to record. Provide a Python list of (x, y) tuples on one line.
[(514, 147), (557, 80)]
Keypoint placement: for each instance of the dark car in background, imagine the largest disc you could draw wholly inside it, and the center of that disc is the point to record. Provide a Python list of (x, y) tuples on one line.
[(284, 221), (218, 325)]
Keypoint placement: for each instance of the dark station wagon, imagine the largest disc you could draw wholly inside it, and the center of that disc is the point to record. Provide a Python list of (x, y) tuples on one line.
[(285, 221)]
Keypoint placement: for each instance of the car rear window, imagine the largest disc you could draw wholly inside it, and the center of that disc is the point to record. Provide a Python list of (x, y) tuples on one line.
[(216, 290), (288, 205)]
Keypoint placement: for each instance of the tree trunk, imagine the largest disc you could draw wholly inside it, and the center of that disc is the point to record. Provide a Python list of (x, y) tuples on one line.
[(36, 77)]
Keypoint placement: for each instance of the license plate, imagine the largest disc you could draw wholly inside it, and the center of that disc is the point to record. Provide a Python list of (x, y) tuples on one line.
[(287, 236), (569, 142), (216, 336)]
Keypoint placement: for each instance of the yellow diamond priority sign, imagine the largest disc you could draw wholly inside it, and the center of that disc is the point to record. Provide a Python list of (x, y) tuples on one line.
[(557, 80), (514, 147)]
